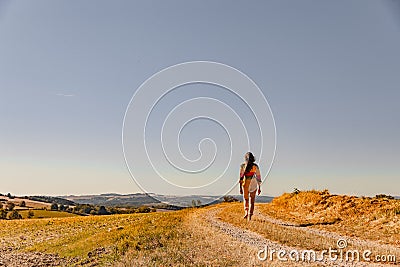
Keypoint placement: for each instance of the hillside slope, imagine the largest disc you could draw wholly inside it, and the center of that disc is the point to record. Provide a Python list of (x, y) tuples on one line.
[(210, 236), (376, 219)]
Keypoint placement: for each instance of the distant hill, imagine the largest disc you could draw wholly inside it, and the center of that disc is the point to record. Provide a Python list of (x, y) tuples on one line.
[(187, 200), (127, 200), (36, 202), (139, 199), (49, 199), (113, 199)]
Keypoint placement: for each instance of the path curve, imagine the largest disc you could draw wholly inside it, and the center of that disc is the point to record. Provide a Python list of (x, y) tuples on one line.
[(354, 240), (257, 241)]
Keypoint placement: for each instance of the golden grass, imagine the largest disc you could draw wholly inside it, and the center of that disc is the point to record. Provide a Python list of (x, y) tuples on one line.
[(376, 219), (81, 236), (117, 233), (46, 214)]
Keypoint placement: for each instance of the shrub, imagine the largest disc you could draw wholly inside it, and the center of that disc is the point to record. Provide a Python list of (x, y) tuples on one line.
[(14, 215), (384, 196), (230, 199), (296, 191), (30, 214), (10, 206), (102, 211), (397, 211), (143, 209), (3, 214)]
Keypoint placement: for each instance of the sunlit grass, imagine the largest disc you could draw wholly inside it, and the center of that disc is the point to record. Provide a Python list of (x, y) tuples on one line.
[(375, 219), (77, 237)]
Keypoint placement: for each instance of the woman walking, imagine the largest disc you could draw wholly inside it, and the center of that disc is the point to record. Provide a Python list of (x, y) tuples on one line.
[(250, 180)]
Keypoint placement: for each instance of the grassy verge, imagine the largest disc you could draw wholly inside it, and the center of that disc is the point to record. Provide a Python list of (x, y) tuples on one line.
[(376, 219)]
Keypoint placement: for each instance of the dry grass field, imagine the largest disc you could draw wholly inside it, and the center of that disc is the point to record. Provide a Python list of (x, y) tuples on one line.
[(209, 236), (376, 219), (153, 239)]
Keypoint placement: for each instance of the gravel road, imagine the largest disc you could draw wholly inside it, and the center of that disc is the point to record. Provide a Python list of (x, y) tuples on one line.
[(259, 242), (372, 245)]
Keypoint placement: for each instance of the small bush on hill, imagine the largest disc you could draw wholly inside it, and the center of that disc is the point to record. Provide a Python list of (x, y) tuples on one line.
[(14, 215)]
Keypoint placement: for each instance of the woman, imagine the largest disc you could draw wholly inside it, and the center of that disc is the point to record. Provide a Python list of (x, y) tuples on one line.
[(248, 185)]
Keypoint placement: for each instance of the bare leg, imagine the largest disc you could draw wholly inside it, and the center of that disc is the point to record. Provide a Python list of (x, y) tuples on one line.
[(252, 200), (246, 204), (246, 198)]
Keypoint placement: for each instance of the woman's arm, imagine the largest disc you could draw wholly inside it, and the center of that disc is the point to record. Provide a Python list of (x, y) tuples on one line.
[(258, 174), (241, 176)]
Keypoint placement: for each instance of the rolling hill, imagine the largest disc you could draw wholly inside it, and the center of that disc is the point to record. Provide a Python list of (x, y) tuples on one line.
[(138, 199)]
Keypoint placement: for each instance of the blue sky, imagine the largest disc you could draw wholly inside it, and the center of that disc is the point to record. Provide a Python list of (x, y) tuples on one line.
[(329, 69)]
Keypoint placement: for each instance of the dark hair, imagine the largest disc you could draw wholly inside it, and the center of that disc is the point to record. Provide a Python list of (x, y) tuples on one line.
[(250, 161)]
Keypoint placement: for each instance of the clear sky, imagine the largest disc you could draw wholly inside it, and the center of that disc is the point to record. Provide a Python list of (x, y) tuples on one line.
[(329, 69)]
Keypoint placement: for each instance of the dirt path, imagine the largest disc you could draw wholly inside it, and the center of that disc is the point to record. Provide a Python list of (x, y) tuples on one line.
[(372, 245), (259, 242)]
